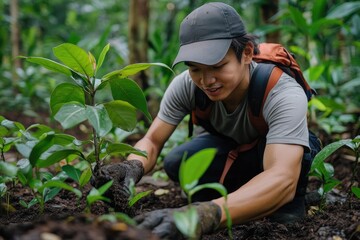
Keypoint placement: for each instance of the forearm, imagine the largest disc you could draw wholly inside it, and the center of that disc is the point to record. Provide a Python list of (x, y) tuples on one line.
[(152, 153), (260, 197)]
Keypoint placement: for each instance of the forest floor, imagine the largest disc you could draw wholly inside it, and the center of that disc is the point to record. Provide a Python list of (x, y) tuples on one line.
[(64, 216)]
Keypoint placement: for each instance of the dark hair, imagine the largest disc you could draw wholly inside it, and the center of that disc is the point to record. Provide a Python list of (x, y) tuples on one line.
[(238, 44)]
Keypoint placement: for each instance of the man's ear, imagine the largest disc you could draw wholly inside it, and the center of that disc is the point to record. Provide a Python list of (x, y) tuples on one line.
[(248, 53)]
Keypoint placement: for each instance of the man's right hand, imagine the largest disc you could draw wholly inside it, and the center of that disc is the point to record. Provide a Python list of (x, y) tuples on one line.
[(121, 173)]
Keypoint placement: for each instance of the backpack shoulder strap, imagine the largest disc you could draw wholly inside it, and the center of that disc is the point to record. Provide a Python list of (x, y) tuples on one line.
[(263, 79)]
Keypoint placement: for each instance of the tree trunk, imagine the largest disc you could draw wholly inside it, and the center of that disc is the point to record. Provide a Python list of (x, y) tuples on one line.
[(268, 10), (138, 36), (138, 41), (15, 39)]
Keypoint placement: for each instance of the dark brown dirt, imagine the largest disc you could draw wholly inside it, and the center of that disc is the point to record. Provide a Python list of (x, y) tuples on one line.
[(64, 216)]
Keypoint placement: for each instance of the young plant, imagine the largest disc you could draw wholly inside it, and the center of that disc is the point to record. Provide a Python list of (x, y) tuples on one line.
[(325, 171), (134, 196), (190, 172), (97, 195), (76, 102)]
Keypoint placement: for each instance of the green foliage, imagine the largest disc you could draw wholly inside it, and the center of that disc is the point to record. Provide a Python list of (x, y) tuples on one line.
[(190, 172), (325, 172), (74, 103)]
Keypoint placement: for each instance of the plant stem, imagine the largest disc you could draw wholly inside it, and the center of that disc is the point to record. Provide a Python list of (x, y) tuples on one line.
[(354, 173)]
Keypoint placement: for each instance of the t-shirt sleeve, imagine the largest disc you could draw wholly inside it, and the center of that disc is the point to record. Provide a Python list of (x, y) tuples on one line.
[(176, 103), (285, 111)]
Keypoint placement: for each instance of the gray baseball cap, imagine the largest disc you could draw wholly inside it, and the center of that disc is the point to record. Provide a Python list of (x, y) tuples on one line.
[(206, 33)]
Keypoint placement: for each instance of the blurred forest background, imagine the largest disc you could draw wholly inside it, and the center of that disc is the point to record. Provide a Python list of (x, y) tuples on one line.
[(323, 34)]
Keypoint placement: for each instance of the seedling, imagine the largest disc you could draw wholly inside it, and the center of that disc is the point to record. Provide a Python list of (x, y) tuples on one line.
[(74, 103), (325, 171), (190, 172), (134, 196), (97, 195)]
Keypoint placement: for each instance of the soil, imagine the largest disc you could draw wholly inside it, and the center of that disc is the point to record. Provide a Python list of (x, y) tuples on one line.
[(64, 217)]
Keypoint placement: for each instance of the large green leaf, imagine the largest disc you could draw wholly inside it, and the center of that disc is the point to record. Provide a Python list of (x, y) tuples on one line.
[(124, 149), (99, 119), (50, 64), (194, 167), (66, 93), (48, 141), (75, 58), (132, 69), (57, 156), (71, 114), (128, 90), (344, 10), (122, 114)]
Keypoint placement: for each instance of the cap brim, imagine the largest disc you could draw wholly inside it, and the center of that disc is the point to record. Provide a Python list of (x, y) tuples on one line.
[(208, 52)]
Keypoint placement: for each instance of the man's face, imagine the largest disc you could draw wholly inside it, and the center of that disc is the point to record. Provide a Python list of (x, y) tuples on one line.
[(222, 81)]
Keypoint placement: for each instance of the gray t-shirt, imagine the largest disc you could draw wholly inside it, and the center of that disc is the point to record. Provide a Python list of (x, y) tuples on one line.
[(284, 111)]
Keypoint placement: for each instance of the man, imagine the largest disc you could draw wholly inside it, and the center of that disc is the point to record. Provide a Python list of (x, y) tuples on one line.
[(264, 180)]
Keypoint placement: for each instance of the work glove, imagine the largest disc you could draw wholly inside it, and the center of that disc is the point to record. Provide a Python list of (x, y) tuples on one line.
[(161, 222), (122, 174)]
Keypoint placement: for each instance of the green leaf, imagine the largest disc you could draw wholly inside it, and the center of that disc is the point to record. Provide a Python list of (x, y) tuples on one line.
[(71, 114), (216, 186), (105, 187), (7, 169), (298, 19), (194, 167), (85, 177), (50, 64), (102, 56), (318, 10), (122, 114), (127, 90), (138, 196), (57, 156), (72, 172), (355, 191), (66, 93), (132, 69), (187, 222), (124, 149), (99, 119), (326, 152), (330, 184), (75, 58), (60, 184), (47, 142), (344, 10)]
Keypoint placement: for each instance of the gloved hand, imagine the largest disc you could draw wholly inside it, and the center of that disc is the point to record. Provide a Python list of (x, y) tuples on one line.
[(161, 222), (121, 173)]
